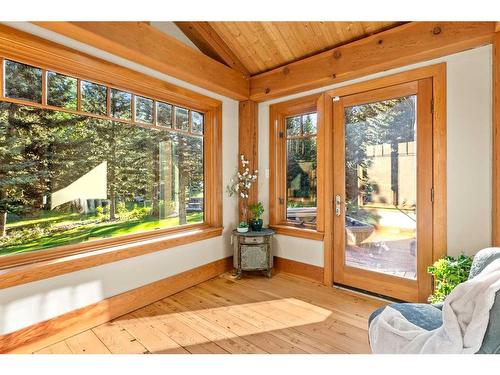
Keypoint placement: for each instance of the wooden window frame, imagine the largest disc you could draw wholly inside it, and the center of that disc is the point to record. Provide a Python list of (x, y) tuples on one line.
[(31, 50), (277, 167)]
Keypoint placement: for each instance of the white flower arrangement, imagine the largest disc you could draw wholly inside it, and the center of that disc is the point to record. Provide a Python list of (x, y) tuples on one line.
[(242, 180)]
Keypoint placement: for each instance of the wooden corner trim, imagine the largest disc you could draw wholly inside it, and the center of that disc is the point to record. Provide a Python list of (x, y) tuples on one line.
[(40, 335), (307, 271), (288, 230), (55, 267)]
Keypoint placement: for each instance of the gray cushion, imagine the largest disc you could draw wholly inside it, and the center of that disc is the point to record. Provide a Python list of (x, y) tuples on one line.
[(491, 341), (423, 315), (482, 259)]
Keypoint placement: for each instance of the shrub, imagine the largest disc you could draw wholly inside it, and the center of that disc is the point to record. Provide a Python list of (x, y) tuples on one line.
[(138, 213), (24, 235), (448, 272), (100, 212), (121, 210)]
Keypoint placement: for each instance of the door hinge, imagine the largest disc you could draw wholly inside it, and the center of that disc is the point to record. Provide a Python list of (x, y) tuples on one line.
[(432, 106), (281, 200), (432, 194)]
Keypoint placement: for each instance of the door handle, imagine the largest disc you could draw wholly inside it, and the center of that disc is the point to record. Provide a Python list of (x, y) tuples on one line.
[(338, 201)]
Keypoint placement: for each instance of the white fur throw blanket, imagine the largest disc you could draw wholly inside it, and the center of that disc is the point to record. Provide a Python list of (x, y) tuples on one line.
[(465, 319)]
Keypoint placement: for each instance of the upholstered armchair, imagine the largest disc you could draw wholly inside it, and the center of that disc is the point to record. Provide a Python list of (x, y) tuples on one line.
[(429, 317)]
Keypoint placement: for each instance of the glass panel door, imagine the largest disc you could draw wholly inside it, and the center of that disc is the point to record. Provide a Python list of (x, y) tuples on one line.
[(382, 186)]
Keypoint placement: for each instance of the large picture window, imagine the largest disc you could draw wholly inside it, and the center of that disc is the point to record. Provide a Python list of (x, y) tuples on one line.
[(88, 162)]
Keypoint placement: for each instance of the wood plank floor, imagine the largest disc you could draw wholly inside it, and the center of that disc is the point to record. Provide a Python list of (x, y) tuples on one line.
[(285, 314)]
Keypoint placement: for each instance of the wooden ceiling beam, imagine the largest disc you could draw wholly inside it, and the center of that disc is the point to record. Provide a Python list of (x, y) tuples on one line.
[(211, 44), (143, 44), (400, 46)]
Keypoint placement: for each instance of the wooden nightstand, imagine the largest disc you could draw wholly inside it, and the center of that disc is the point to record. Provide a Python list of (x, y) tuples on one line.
[(253, 251)]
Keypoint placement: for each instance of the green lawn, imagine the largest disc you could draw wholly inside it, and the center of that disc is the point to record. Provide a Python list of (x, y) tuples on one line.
[(47, 218), (88, 232)]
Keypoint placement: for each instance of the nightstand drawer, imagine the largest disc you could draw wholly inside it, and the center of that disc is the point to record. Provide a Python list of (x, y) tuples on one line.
[(252, 240)]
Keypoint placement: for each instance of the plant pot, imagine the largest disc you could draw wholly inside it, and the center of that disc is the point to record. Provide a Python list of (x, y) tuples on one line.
[(242, 230), (256, 225)]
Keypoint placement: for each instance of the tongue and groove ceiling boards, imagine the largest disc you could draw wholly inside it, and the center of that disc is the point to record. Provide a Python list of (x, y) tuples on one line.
[(262, 46)]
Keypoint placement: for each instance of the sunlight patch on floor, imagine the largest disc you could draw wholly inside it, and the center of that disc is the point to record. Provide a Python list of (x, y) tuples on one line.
[(235, 320)]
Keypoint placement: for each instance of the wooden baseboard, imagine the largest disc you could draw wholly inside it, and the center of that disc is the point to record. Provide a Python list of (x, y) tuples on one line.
[(45, 333), (305, 270)]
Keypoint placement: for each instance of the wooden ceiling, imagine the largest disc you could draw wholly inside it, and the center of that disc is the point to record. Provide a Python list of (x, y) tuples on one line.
[(256, 47)]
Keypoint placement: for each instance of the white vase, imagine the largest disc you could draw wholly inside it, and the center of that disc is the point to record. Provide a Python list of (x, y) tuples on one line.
[(242, 230)]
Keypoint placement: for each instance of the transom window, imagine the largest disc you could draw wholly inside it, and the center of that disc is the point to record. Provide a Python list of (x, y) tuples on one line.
[(83, 161)]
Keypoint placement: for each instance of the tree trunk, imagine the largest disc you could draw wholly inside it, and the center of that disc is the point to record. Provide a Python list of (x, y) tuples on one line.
[(155, 210), (395, 172), (182, 199), (3, 224), (112, 178)]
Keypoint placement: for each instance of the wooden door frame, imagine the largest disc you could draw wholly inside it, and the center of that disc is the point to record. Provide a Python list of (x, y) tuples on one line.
[(325, 114)]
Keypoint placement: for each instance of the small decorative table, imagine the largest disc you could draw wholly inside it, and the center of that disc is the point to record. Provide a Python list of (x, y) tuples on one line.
[(253, 251)]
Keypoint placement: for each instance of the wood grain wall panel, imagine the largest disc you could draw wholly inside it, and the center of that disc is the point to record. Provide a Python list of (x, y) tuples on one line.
[(248, 136)]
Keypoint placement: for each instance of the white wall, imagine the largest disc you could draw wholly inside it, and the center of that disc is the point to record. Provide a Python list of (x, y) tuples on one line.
[(171, 29), (28, 304), (469, 155)]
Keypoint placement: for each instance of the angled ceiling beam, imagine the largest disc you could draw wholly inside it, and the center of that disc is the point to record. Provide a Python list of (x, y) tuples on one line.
[(210, 43), (400, 46), (143, 44)]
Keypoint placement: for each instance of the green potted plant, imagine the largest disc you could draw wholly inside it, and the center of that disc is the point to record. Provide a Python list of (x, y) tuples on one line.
[(242, 227), (448, 272), (257, 210)]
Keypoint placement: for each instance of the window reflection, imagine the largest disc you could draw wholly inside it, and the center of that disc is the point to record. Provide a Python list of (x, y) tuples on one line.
[(301, 163), (380, 180), (69, 178), (22, 81), (94, 98)]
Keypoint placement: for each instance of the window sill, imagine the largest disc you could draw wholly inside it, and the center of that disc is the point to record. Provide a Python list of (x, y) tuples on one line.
[(289, 230), (49, 268)]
